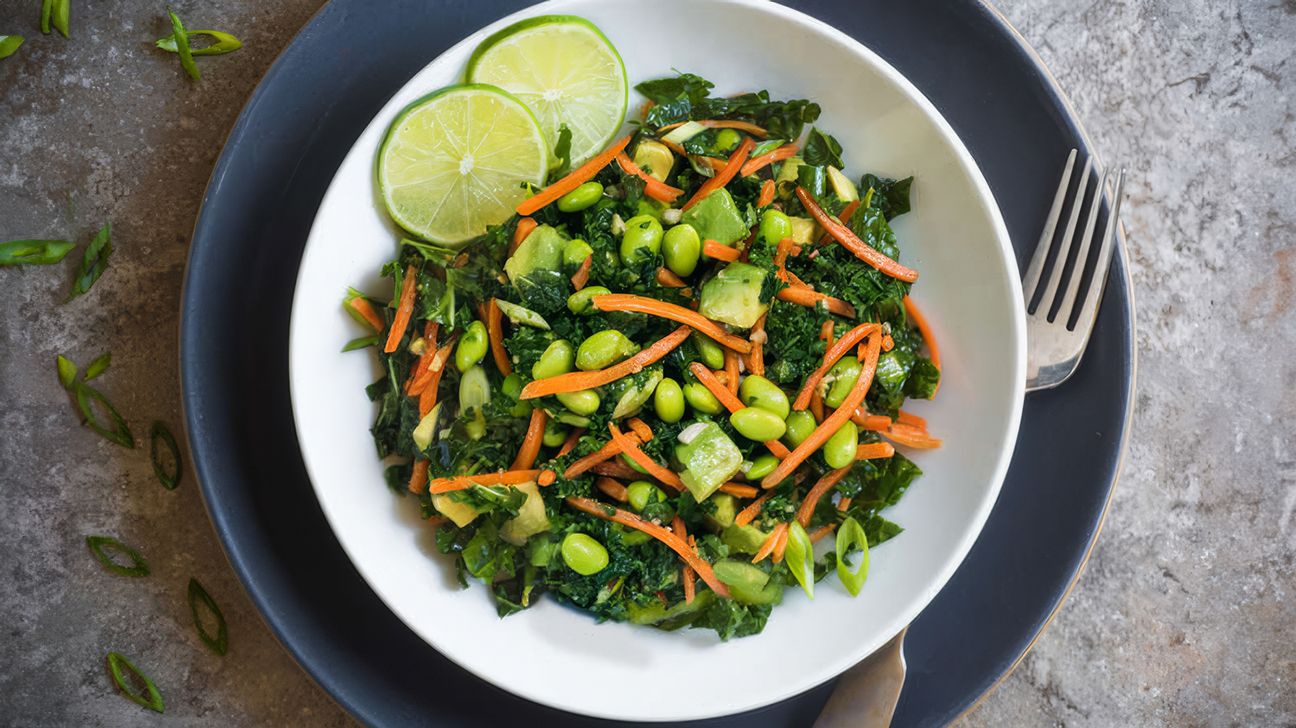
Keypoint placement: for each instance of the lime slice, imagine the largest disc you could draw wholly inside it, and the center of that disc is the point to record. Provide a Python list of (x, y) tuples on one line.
[(454, 162), (565, 70)]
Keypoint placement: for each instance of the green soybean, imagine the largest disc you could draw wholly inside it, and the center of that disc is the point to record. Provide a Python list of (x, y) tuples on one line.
[(757, 391), (757, 424), (603, 349), (841, 448), (682, 248), (774, 227), (580, 302), (799, 426), (842, 375), (575, 252), (727, 139), (640, 492), (512, 386), (701, 399), (581, 197), (554, 434), (583, 554), (712, 353), (583, 402), (763, 465), (473, 345), (642, 233), (558, 358), (668, 400)]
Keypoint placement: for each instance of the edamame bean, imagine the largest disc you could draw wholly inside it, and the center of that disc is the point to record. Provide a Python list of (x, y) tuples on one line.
[(580, 303), (603, 349), (712, 353), (726, 139), (473, 345), (799, 426), (554, 434), (642, 233), (512, 386), (757, 391), (583, 554), (640, 492), (774, 227), (757, 424), (682, 248), (841, 448), (581, 197), (583, 402), (763, 465), (701, 399), (843, 375), (558, 358), (575, 252), (668, 400)]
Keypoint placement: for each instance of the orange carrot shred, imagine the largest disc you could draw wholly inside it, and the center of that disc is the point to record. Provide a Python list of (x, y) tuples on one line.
[(608, 451), (679, 314), (666, 278), (530, 449), (640, 428), (690, 587), (547, 477), (653, 187), (616, 469), (911, 436), (831, 356), (817, 491), (582, 274), (419, 478), (933, 352), (723, 177), (367, 312), (888, 343), (848, 212), (873, 423), (503, 477), (748, 514), (765, 160), (766, 193), (495, 332), (731, 371), (576, 381), (520, 233), (430, 331), (573, 438), (818, 534), (781, 545), (575, 179), (404, 310), (730, 401), (631, 450), (851, 241), (771, 541), (612, 489), (738, 490), (909, 418), (811, 298), (712, 249), (874, 451)]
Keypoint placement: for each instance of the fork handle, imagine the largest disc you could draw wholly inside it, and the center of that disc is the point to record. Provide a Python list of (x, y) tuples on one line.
[(866, 695)]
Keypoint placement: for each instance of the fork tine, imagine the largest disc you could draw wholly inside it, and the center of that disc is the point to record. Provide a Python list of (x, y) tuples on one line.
[(1089, 311), (1036, 267), (1082, 256), (1064, 250)]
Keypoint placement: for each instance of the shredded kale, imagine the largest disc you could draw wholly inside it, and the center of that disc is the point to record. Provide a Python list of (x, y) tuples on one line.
[(891, 196), (823, 149)]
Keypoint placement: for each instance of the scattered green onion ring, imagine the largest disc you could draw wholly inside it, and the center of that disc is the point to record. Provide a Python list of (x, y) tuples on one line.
[(850, 535), (799, 556), (67, 371), (9, 44), (182, 46), (160, 433), (30, 252), (101, 545), (153, 701), (119, 433), (197, 595), (364, 342), (98, 366), (223, 43), (47, 13), (62, 14)]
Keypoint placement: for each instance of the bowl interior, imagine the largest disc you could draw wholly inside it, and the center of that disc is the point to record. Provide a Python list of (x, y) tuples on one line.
[(558, 656)]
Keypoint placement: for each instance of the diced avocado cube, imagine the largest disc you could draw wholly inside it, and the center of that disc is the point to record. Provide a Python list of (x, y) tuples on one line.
[(733, 295), (461, 514), (743, 539), (530, 520), (673, 617), (804, 230), (541, 250), (716, 217), (726, 509), (845, 190), (710, 459)]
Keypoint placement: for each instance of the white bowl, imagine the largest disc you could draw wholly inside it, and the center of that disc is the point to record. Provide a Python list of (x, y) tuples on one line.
[(558, 656)]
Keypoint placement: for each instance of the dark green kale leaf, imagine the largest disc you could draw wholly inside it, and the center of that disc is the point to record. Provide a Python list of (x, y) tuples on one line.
[(730, 619), (793, 341), (684, 86), (879, 530), (823, 149), (543, 291), (923, 378), (891, 196)]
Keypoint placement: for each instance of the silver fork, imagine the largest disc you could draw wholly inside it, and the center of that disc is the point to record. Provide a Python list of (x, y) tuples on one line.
[(1053, 346)]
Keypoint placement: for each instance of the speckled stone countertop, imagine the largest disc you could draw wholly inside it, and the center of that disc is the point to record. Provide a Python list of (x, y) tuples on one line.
[(1185, 616)]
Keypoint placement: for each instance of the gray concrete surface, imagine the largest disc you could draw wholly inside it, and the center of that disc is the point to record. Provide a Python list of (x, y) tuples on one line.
[(1185, 615)]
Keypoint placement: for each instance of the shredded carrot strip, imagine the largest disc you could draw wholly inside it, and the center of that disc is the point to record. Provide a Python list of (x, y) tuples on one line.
[(731, 371), (575, 179), (419, 478), (851, 241), (530, 449), (888, 343), (712, 249), (616, 469), (730, 401), (771, 541), (817, 406), (723, 176), (756, 359), (766, 194), (576, 381), (848, 212), (911, 436), (786, 247), (933, 352), (430, 332), (428, 399), (547, 477), (640, 428), (874, 423), (495, 331), (630, 449), (746, 126), (715, 164), (503, 477), (608, 451), (676, 544), (739, 490), (520, 233), (612, 489), (781, 545), (653, 187), (431, 376), (874, 451), (826, 332), (570, 443), (765, 160), (844, 504), (817, 535), (690, 587), (666, 278), (582, 274), (404, 310), (678, 314), (909, 418), (810, 298), (830, 424), (817, 491), (366, 311), (831, 356), (748, 514)]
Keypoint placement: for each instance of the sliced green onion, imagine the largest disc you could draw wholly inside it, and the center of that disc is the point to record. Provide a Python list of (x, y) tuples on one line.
[(182, 46), (799, 557), (199, 596), (47, 12), (130, 683), (31, 252), (765, 147), (62, 13), (98, 366), (364, 342), (67, 371), (222, 43), (170, 478), (93, 263), (119, 432), (683, 132), (851, 536), (101, 545), (9, 44), (522, 315)]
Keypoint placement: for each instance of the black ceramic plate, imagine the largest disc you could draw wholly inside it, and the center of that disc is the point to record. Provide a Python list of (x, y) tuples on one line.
[(263, 194)]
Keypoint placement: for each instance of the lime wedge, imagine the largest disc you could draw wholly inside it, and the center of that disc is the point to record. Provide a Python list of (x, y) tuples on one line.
[(565, 70), (454, 162)]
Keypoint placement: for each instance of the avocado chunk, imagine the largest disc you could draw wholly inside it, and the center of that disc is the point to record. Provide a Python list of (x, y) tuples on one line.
[(743, 539), (716, 217), (710, 459), (726, 509), (672, 617), (733, 295), (637, 392), (461, 514), (541, 250), (804, 230), (530, 520), (748, 584)]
